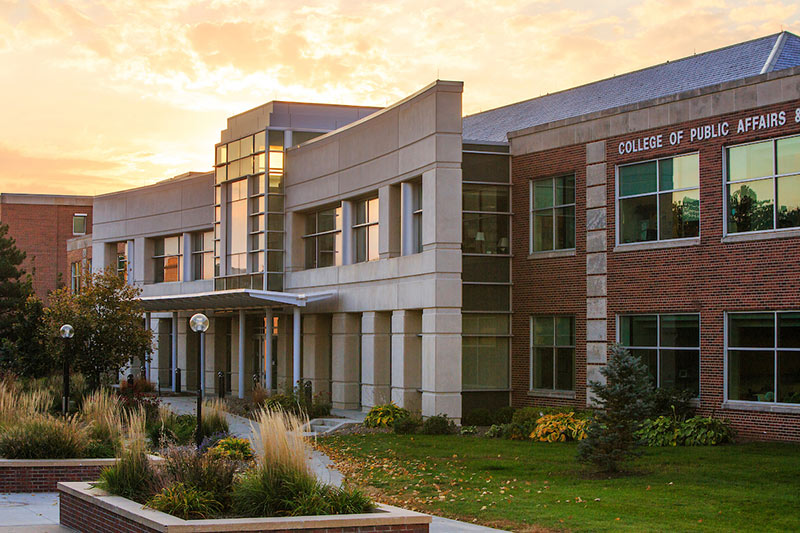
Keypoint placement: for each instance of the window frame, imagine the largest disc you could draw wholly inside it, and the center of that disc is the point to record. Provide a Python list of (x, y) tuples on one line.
[(367, 224), (317, 234), (179, 255), (554, 346), (657, 194), (199, 255), (765, 405), (773, 177), (85, 217), (416, 215), (658, 347), (532, 213)]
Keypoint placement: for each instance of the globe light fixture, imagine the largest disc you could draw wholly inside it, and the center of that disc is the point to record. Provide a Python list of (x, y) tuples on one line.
[(67, 331), (199, 324)]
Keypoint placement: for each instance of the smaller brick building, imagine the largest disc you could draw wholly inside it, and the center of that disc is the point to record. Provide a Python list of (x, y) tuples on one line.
[(41, 224)]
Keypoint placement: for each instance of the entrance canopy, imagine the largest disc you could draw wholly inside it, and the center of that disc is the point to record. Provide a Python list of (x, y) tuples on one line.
[(230, 299)]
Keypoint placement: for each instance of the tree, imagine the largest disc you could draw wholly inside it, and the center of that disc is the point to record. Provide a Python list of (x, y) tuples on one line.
[(15, 287), (109, 330), (626, 399)]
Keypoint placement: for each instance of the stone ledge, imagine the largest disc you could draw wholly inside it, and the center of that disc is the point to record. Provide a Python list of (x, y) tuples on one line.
[(761, 235), (657, 245), (553, 254), (763, 407), (547, 393), (386, 517)]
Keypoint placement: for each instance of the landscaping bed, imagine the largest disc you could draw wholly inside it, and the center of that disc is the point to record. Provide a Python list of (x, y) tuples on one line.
[(88, 509)]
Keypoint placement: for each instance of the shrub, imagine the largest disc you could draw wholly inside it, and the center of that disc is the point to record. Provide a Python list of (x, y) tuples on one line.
[(140, 385), (504, 415), (627, 399), (132, 476), (560, 427), (669, 402), (214, 419), (517, 431), (385, 415), (495, 432), (149, 404), (674, 431), (438, 425), (232, 448), (469, 430), (478, 417), (300, 402), (185, 502), (278, 441), (209, 473), (210, 441), (171, 428), (44, 437), (525, 419), (407, 425)]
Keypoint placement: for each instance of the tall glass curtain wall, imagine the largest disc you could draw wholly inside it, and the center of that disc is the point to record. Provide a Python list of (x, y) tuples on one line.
[(251, 171), (486, 269)]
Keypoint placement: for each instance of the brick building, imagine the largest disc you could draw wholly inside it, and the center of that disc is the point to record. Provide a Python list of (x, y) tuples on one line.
[(659, 209), (41, 224)]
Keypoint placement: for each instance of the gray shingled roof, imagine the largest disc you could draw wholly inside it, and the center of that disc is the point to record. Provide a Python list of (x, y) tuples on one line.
[(701, 70)]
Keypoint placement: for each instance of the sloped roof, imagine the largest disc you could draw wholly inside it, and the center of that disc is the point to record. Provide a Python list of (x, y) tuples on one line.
[(750, 58)]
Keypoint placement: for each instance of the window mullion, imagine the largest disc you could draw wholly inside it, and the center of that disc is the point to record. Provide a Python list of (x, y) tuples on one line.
[(775, 354)]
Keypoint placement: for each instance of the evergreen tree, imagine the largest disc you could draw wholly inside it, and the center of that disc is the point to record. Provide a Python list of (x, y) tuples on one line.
[(15, 287), (626, 399)]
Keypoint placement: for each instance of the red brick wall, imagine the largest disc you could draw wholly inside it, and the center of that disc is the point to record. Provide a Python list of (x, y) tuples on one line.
[(709, 279), (42, 232), (44, 478)]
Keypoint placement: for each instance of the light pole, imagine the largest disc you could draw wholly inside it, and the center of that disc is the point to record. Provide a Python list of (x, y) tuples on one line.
[(199, 324), (66, 332)]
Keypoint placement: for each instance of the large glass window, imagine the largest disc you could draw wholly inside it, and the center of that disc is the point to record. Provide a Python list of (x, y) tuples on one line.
[(237, 228), (167, 259), (486, 219), (323, 238), (76, 277), (203, 255), (763, 357), (79, 224), (659, 200), (416, 214), (669, 345), (553, 353), (552, 216), (763, 185), (485, 348), (365, 230)]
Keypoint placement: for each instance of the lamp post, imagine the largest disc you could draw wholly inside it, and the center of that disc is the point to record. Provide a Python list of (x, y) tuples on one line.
[(66, 332), (199, 324)]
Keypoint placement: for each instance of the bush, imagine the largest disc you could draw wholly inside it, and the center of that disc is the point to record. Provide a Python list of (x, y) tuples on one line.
[(469, 430), (44, 437), (210, 441), (185, 502), (233, 449), (385, 415), (140, 385), (478, 417), (674, 431), (209, 473), (132, 476), (149, 404), (438, 425), (560, 427), (627, 399), (214, 419), (171, 428), (300, 402), (495, 432), (504, 415), (669, 402), (407, 425)]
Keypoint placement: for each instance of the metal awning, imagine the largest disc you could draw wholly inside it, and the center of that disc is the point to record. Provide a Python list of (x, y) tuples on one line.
[(230, 299)]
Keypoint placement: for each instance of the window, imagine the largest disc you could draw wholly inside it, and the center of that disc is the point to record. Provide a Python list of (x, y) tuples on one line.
[(75, 277), (416, 215), (486, 219), (485, 348), (669, 345), (552, 218), (323, 238), (237, 228), (763, 357), (763, 185), (122, 266), (203, 255), (365, 230), (659, 200), (553, 353), (167, 261), (79, 224)]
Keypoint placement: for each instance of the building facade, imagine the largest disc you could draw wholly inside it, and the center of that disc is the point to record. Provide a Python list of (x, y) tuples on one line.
[(41, 224)]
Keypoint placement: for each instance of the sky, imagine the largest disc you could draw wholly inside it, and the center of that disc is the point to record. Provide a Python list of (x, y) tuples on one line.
[(99, 96)]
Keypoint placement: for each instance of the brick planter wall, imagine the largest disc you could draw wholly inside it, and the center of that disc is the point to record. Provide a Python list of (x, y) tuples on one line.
[(93, 511), (42, 475)]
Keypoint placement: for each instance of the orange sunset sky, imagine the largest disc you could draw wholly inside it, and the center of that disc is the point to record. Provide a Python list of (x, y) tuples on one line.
[(105, 95)]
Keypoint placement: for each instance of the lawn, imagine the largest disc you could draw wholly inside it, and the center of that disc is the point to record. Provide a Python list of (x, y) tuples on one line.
[(526, 486)]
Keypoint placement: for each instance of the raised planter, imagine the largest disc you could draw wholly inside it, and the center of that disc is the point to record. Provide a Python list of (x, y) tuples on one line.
[(42, 475), (92, 510)]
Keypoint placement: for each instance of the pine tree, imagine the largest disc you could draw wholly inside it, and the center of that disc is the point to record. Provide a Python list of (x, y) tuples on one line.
[(14, 286), (626, 399)]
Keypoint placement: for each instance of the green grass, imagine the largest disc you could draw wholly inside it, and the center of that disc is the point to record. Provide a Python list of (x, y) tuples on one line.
[(528, 486)]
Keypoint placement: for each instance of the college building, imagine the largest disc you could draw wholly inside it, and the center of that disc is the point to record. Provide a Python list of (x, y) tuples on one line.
[(446, 263)]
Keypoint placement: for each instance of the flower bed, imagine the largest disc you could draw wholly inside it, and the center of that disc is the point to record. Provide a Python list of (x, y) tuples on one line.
[(92, 510)]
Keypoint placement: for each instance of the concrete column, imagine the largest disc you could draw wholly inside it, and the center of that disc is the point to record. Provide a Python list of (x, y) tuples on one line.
[(182, 356), (295, 258), (130, 248), (407, 359), (174, 348), (407, 218), (296, 376), (148, 363), (389, 221), (376, 347), (186, 275), (441, 208), (103, 256), (268, 355), (441, 362), (348, 219), (317, 351), (241, 346), (346, 360), (209, 362)]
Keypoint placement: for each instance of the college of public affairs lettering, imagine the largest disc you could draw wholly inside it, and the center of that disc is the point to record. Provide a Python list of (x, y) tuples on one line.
[(709, 131)]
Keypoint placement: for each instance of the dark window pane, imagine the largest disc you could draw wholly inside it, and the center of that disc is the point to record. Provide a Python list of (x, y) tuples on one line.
[(679, 172), (275, 240), (275, 282), (484, 324), (485, 269), (275, 203), (680, 214), (680, 369), (750, 206), (485, 363), (650, 359), (789, 201), (360, 238), (485, 198), (543, 368), (543, 331), (275, 222), (565, 331), (361, 212), (299, 137), (751, 375), (311, 253), (680, 330), (788, 155), (750, 161), (326, 220), (637, 179), (638, 219), (543, 230), (543, 193), (485, 233), (275, 139), (246, 146), (751, 330), (485, 167), (485, 297), (789, 377), (789, 330), (565, 368), (639, 330), (275, 261), (565, 190), (565, 227)]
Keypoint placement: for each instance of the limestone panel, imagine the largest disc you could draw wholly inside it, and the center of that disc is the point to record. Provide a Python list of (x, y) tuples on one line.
[(595, 152)]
